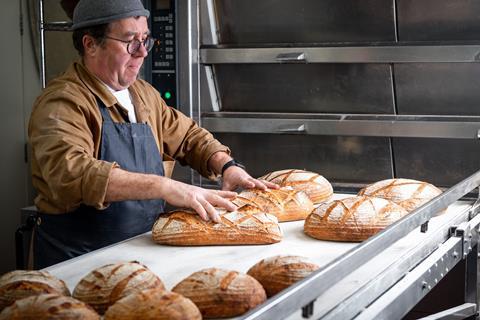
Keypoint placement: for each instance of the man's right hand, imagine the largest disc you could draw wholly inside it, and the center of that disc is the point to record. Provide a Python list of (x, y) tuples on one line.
[(203, 201)]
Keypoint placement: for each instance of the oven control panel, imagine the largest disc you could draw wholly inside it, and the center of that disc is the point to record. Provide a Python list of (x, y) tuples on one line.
[(164, 62)]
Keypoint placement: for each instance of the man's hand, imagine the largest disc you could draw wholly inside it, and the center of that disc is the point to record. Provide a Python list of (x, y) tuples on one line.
[(201, 200), (235, 177)]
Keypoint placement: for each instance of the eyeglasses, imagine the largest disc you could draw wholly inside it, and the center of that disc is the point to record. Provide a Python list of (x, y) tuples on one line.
[(134, 45)]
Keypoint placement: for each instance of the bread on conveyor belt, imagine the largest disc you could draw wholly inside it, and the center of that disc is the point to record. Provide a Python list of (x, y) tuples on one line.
[(103, 286), (221, 293), (20, 284), (279, 272), (315, 186), (153, 304), (352, 219), (408, 193), (186, 228), (49, 306), (286, 204)]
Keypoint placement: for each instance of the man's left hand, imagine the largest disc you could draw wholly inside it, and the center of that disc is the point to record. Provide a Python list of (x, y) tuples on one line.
[(235, 177)]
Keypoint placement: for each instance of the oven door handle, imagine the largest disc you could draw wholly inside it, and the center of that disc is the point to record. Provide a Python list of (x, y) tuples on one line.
[(291, 57), (297, 129)]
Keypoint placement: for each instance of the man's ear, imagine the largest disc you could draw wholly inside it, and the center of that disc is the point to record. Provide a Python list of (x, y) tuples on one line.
[(90, 45)]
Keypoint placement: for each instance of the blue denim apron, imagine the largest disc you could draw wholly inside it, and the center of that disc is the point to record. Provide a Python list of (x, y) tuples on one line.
[(64, 236)]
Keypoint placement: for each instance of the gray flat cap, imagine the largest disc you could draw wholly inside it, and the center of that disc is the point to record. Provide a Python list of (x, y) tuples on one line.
[(94, 12)]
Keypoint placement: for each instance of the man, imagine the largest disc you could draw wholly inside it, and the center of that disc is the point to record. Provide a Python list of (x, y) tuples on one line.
[(100, 138)]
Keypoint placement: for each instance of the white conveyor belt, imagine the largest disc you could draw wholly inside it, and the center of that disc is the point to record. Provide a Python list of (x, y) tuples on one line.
[(173, 264)]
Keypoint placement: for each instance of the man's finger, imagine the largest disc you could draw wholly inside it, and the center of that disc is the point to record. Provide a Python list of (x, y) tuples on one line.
[(200, 210)]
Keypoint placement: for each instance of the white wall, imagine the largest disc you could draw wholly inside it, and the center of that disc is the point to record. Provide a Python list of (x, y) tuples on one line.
[(19, 84)]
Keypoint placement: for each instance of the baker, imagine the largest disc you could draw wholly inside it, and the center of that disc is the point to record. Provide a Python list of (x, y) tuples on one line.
[(104, 143)]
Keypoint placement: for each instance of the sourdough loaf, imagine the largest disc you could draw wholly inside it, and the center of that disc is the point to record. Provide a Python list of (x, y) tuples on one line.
[(186, 228), (408, 193), (352, 219), (314, 185), (20, 284), (103, 286), (48, 306), (220, 293), (286, 203), (153, 304), (279, 272)]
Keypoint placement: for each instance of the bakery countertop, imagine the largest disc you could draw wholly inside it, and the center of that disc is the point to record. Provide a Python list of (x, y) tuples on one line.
[(172, 264)]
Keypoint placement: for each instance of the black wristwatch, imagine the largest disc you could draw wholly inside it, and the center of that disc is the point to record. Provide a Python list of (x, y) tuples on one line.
[(230, 163)]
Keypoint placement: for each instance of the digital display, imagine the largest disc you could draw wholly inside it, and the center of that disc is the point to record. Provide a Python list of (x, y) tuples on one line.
[(162, 4)]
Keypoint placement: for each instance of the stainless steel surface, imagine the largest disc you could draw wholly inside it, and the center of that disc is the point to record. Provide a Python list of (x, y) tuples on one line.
[(437, 88), (304, 21), (331, 156), (372, 54), (415, 285), (438, 20), (345, 125), (42, 44), (460, 312), (309, 88)]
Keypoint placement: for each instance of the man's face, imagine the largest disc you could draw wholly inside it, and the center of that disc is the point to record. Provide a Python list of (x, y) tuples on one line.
[(111, 62)]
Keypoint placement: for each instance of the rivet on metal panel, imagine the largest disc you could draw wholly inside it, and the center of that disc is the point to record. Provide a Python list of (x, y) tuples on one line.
[(455, 254), (478, 132), (441, 274), (436, 280)]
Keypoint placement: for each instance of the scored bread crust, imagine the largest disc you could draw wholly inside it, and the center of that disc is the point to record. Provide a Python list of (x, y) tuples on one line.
[(49, 306), (220, 293), (313, 184), (279, 272), (20, 284), (186, 228), (153, 304), (104, 286), (286, 204), (352, 219), (408, 193)]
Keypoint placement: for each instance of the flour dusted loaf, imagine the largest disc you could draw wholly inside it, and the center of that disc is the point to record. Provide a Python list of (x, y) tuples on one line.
[(279, 272), (286, 204), (186, 228), (352, 219), (20, 284), (153, 304), (48, 306), (220, 293), (315, 186), (408, 193), (103, 286)]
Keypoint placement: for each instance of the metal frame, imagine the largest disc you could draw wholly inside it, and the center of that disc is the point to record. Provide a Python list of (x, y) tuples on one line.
[(358, 54), (306, 291)]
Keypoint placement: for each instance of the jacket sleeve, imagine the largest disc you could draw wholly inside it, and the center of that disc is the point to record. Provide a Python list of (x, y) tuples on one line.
[(65, 170), (190, 144)]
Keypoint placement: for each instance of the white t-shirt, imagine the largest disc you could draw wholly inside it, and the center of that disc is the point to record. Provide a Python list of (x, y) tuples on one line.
[(124, 98)]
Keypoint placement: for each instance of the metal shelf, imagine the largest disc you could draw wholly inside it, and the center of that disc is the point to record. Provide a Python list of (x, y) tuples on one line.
[(450, 127), (365, 54)]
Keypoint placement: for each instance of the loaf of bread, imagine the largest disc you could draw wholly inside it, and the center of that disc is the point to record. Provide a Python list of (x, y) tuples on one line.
[(352, 219), (286, 203), (153, 304), (314, 185), (186, 228), (221, 293), (103, 286), (408, 193), (279, 272), (20, 284), (48, 306)]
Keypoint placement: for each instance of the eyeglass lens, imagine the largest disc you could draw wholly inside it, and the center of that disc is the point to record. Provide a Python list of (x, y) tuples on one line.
[(135, 44)]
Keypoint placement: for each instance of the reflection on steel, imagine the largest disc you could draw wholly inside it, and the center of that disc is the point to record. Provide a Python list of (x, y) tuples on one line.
[(460, 312), (372, 54), (310, 288), (455, 127)]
